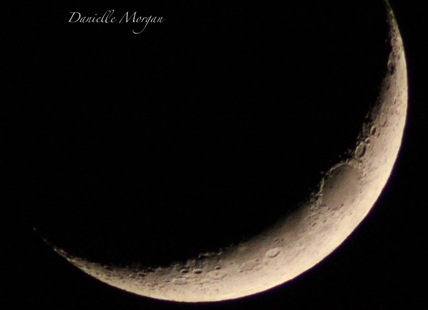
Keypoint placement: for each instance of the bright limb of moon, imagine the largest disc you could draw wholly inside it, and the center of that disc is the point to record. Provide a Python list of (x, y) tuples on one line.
[(302, 239)]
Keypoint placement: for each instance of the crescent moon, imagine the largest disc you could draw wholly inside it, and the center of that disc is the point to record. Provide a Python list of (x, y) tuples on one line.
[(346, 193)]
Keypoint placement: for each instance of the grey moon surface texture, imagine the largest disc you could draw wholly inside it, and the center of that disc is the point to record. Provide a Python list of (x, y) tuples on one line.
[(300, 240)]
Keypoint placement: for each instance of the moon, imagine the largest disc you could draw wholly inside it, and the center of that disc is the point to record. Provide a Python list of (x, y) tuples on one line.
[(300, 240)]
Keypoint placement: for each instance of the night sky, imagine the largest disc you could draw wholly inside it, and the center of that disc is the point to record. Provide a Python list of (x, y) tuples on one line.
[(197, 133)]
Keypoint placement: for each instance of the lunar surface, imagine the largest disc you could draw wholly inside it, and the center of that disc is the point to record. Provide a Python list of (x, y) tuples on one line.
[(345, 194)]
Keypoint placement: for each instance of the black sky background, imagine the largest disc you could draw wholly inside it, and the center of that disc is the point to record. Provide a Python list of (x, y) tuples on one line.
[(212, 122)]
